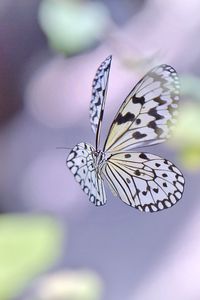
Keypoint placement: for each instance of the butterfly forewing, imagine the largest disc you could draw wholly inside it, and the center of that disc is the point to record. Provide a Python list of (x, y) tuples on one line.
[(99, 91), (82, 165), (146, 115), (144, 181)]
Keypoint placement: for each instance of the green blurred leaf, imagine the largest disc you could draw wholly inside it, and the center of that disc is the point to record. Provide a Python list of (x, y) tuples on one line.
[(187, 129), (72, 26), (28, 245), (190, 86), (191, 157), (186, 135)]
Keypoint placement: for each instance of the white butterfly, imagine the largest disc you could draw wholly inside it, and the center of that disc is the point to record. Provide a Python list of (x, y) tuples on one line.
[(142, 180)]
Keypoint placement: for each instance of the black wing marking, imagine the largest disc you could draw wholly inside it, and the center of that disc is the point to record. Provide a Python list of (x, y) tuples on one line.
[(81, 163), (144, 181), (148, 113), (99, 91)]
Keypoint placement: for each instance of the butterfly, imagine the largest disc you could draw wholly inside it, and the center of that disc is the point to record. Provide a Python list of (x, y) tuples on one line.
[(142, 180)]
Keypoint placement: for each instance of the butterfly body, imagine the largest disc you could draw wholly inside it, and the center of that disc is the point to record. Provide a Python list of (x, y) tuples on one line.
[(142, 180), (99, 158)]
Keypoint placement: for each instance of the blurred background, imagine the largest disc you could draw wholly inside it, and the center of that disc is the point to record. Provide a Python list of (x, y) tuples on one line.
[(54, 244)]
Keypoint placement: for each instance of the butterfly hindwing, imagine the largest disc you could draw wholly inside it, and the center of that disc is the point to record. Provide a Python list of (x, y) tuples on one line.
[(99, 91), (81, 163), (146, 115), (144, 181)]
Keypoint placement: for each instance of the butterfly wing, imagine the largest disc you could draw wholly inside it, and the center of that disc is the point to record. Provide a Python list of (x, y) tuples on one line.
[(81, 163), (146, 115), (99, 91), (144, 181)]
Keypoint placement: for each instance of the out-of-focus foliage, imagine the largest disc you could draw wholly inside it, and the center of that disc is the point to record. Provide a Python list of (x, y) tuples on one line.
[(187, 131), (187, 135), (190, 86), (28, 245), (72, 26), (73, 285)]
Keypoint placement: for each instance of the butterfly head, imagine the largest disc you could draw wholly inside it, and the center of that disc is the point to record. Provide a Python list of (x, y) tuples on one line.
[(99, 158)]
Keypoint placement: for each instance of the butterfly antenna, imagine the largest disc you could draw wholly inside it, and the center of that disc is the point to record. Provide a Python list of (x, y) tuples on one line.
[(63, 148), (69, 148)]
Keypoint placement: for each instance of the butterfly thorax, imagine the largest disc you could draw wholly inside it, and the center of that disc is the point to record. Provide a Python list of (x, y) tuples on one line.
[(99, 158)]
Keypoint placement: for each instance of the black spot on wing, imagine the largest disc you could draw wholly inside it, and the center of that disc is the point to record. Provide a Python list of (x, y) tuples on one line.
[(153, 112), (138, 121), (128, 117), (140, 100), (98, 102), (153, 125), (137, 135), (137, 191), (159, 131), (137, 172), (143, 156)]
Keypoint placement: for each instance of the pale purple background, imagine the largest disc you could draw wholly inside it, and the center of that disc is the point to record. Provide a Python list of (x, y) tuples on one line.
[(44, 101)]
